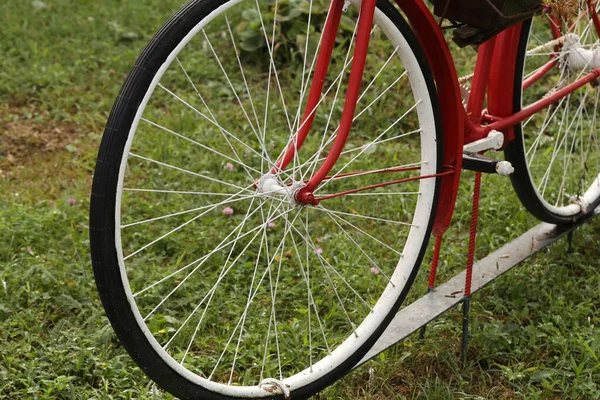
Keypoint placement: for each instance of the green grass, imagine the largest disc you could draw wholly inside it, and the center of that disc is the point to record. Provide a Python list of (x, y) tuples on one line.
[(534, 331)]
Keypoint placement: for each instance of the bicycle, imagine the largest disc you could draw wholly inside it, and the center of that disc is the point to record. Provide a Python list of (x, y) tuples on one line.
[(237, 255)]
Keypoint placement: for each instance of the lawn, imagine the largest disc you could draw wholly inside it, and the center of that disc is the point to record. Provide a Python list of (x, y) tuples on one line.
[(534, 331)]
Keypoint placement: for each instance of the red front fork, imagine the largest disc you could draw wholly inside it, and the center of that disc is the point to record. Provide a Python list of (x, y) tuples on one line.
[(327, 43), (363, 34), (365, 23), (439, 58)]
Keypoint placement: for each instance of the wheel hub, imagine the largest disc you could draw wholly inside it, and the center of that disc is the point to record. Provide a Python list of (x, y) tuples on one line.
[(577, 57), (270, 186)]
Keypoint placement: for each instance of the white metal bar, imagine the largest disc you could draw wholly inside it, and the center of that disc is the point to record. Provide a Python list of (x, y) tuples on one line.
[(409, 319)]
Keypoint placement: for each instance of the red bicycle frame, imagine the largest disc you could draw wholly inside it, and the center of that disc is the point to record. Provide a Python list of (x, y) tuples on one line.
[(493, 80)]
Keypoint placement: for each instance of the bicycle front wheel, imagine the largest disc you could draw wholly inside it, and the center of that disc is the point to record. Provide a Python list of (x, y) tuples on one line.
[(556, 153), (218, 288)]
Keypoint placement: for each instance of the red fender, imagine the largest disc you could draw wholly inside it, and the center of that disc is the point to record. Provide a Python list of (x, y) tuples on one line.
[(441, 63)]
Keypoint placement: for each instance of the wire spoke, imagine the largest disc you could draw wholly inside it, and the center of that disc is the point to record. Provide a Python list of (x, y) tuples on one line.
[(190, 172), (359, 230), (226, 75), (212, 121), (373, 263), (208, 148), (335, 271), (361, 152), (211, 207), (212, 115), (165, 191)]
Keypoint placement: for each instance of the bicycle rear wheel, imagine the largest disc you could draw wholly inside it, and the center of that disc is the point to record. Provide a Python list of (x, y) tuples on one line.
[(556, 153), (212, 283)]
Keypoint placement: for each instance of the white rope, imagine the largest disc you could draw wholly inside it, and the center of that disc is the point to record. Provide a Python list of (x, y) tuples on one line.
[(552, 44)]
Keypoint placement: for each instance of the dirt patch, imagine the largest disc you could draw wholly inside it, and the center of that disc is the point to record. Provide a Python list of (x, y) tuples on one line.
[(41, 158), (22, 140)]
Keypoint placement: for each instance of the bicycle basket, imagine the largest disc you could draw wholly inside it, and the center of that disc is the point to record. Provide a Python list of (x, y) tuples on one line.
[(484, 18)]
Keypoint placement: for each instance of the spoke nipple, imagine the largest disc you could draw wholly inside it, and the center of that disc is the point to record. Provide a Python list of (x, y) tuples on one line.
[(346, 6)]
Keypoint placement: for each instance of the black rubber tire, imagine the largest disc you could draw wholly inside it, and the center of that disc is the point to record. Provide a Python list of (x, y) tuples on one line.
[(515, 152), (103, 199)]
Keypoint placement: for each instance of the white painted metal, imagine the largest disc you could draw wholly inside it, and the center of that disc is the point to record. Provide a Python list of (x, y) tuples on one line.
[(578, 58), (493, 141), (418, 314), (346, 6), (504, 168), (269, 185)]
